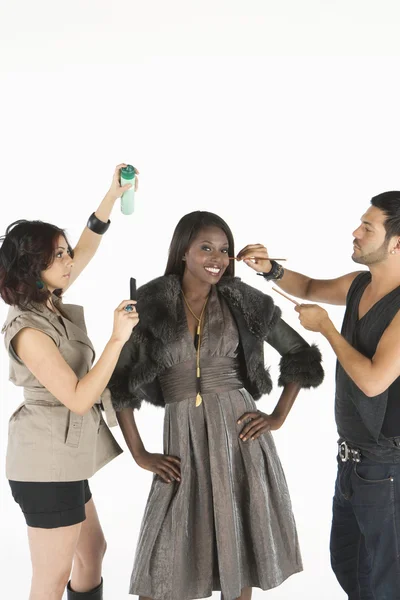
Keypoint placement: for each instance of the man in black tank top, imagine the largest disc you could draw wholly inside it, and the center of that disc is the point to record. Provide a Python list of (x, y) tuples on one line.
[(365, 536)]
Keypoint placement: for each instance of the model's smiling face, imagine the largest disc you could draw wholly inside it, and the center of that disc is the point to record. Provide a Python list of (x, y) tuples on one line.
[(207, 257)]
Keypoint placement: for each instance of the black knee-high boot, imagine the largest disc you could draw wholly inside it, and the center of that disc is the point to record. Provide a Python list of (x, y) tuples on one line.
[(95, 594)]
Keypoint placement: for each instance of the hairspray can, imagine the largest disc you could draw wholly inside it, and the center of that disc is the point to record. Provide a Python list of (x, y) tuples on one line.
[(128, 197)]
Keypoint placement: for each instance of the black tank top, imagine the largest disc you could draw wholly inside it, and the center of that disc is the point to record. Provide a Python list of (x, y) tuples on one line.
[(371, 424)]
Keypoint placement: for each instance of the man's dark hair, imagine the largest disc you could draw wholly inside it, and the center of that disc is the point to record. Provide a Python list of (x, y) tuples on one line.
[(389, 204)]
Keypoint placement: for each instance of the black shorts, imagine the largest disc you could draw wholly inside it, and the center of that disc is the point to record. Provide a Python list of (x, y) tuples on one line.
[(53, 504)]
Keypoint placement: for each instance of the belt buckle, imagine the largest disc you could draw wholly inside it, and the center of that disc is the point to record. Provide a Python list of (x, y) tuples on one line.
[(343, 452)]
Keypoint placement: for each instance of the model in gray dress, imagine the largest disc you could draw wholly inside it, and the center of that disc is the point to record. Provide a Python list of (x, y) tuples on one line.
[(228, 524)]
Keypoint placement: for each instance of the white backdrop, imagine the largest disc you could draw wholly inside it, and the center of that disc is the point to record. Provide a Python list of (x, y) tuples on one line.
[(281, 116)]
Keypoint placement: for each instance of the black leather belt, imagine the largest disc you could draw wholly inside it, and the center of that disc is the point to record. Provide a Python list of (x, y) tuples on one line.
[(347, 453)]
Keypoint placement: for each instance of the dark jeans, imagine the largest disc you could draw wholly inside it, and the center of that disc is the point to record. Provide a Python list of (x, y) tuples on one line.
[(365, 535)]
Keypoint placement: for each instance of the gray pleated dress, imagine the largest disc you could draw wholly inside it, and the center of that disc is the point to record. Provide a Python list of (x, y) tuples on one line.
[(228, 524)]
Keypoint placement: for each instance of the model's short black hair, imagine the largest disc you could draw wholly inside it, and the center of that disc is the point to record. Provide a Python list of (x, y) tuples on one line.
[(389, 204), (186, 230), (27, 249)]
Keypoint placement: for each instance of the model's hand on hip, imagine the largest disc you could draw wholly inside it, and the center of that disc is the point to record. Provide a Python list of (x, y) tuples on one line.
[(116, 189), (166, 467), (259, 423), (256, 257), (125, 319)]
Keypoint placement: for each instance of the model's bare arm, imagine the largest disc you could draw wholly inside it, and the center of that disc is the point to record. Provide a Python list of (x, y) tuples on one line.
[(166, 467), (126, 420), (261, 422)]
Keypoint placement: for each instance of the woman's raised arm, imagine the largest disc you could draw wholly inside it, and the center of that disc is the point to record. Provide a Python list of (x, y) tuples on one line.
[(89, 241)]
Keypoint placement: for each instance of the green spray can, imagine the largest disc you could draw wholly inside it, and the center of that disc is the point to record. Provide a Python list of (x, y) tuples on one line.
[(127, 175)]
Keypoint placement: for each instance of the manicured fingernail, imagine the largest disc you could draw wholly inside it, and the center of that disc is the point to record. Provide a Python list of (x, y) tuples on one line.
[(239, 422), (244, 439)]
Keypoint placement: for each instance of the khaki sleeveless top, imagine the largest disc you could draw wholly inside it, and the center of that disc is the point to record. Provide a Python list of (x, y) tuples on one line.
[(47, 441)]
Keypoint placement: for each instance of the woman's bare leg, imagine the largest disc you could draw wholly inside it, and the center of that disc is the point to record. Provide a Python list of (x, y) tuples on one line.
[(52, 552), (89, 552)]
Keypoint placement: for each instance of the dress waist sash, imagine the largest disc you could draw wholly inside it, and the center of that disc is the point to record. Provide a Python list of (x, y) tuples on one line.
[(218, 374)]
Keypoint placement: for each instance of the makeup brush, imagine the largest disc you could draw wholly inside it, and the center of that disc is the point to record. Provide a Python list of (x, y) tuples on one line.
[(259, 258), (286, 296)]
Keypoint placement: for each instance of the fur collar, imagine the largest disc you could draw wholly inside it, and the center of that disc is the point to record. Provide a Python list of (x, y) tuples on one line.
[(163, 304)]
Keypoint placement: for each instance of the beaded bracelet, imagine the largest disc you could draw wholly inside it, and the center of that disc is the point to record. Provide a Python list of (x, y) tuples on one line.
[(276, 272)]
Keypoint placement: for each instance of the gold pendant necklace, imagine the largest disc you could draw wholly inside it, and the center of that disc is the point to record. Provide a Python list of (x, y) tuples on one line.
[(199, 320)]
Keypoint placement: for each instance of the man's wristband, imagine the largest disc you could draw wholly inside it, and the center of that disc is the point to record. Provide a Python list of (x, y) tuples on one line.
[(276, 272)]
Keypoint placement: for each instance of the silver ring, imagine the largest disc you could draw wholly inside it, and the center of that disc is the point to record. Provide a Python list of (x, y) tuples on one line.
[(129, 308)]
